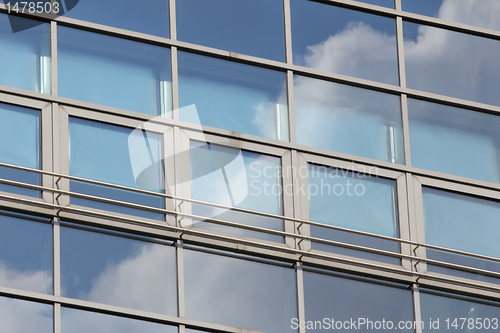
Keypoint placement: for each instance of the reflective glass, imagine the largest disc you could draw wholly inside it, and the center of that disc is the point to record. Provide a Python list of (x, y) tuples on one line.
[(444, 312), (452, 63), (149, 17), (241, 293), (107, 153), (24, 57), (234, 96), (119, 271), (456, 141), (18, 316), (344, 41), (114, 72), (25, 252), (348, 299), (250, 27), (236, 178), (353, 200), (348, 119), (78, 321), (384, 3), (483, 13), (463, 223), (20, 134)]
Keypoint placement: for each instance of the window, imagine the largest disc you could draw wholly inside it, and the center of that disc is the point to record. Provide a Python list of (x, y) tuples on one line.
[(122, 271), (456, 141), (15, 314), (249, 294), (114, 72), (250, 27), (344, 41), (24, 59), (234, 96), (348, 119), (20, 130)]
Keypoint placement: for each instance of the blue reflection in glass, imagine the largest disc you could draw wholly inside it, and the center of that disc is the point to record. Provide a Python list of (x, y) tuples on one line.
[(103, 152), (442, 308), (119, 271), (234, 96), (248, 294), (456, 141), (348, 119), (236, 178), (250, 27), (23, 316), (451, 63), (384, 3), (78, 321), (150, 17), (344, 41), (341, 299), (24, 60), (20, 134), (114, 72), (356, 201), (25, 252)]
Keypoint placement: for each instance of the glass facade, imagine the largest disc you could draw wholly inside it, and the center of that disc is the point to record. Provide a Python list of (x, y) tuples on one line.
[(268, 166)]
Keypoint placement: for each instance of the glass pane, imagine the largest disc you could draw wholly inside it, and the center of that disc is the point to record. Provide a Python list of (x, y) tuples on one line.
[(249, 294), (444, 313), (456, 141), (348, 119), (18, 316), (451, 63), (353, 301), (384, 3), (150, 17), (114, 72), (109, 153), (119, 271), (20, 133), (248, 27), (236, 178), (25, 252), (358, 201), (234, 96), (463, 223), (484, 13), (78, 321), (344, 41), (24, 59)]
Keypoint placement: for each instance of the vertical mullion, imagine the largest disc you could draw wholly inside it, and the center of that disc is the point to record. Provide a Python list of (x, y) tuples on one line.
[(53, 59), (180, 279), (57, 318), (405, 119), (288, 31), (300, 297), (397, 4), (56, 253), (175, 82), (417, 309), (172, 18), (291, 107)]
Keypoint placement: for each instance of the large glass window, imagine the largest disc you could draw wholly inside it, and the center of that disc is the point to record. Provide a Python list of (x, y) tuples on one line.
[(249, 27), (344, 41), (241, 293), (484, 13), (20, 137), (348, 119), (236, 178), (114, 72), (25, 252), (348, 299), (452, 63), (115, 154), (452, 313), (120, 271), (23, 316), (463, 223), (24, 59), (150, 17), (352, 200), (456, 141), (234, 96), (78, 321)]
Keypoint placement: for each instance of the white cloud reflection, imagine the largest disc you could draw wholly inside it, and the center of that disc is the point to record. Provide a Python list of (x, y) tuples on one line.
[(19, 316)]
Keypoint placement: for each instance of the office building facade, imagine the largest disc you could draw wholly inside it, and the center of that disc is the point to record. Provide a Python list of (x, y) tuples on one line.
[(250, 166)]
